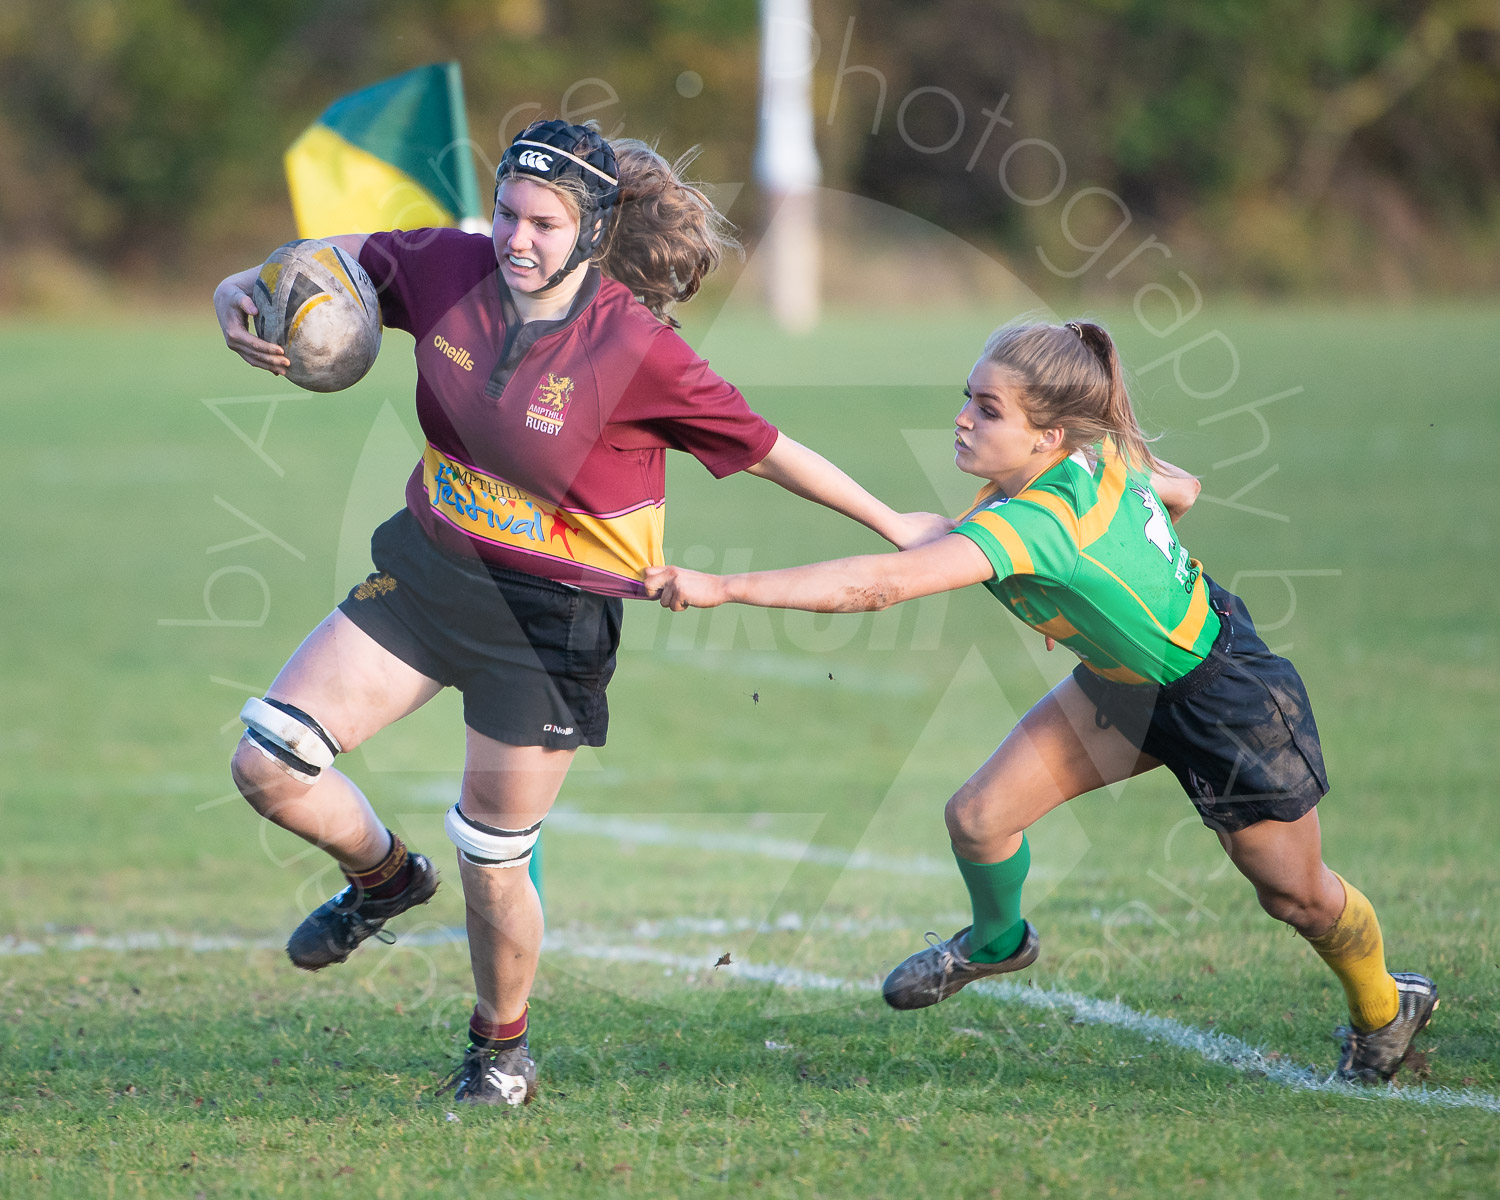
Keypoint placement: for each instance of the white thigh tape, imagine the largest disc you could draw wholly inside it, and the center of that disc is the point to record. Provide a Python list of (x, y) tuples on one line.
[(287, 732), (284, 759), (486, 846)]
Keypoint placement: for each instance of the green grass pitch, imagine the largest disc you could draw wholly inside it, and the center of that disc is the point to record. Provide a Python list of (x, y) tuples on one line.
[(159, 566)]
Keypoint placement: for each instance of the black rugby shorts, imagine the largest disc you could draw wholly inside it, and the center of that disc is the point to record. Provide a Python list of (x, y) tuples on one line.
[(1237, 730), (531, 657)]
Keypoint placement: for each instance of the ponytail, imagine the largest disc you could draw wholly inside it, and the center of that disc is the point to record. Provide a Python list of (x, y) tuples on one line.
[(666, 236), (1119, 414), (1071, 378)]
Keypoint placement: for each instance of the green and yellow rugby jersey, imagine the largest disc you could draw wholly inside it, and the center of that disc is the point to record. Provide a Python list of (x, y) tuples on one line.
[(1086, 555)]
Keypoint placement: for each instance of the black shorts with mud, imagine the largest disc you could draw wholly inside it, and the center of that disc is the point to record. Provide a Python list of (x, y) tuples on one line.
[(531, 657), (1237, 730)]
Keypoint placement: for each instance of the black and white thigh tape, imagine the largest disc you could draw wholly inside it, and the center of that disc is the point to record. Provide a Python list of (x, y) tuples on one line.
[(289, 737), (485, 846)]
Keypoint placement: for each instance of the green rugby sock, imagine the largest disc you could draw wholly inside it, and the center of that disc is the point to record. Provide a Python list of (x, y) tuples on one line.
[(995, 892)]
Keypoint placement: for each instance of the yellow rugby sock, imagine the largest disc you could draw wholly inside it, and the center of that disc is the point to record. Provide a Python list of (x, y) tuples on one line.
[(1355, 952)]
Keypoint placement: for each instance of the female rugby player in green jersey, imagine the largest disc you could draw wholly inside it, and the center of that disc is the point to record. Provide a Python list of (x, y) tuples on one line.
[(1071, 533), (550, 384)]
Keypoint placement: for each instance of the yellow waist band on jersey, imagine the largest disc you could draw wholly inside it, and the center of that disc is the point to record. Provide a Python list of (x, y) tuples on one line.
[(491, 510)]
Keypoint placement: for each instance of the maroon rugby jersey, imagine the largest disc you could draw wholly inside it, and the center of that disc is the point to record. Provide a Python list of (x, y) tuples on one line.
[(545, 441)]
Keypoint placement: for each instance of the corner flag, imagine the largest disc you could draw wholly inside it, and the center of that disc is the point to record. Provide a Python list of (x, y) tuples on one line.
[(394, 155)]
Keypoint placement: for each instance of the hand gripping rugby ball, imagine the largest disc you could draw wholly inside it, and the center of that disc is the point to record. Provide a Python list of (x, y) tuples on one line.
[(316, 303)]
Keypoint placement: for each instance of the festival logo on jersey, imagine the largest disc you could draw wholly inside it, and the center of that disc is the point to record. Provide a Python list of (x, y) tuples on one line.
[(493, 510), (549, 404)]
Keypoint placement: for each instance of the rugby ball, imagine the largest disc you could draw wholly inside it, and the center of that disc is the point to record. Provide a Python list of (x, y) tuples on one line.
[(316, 302)]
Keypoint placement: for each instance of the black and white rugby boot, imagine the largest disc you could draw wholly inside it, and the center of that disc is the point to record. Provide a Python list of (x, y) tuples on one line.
[(944, 968), (1376, 1056), (335, 929), (495, 1076)]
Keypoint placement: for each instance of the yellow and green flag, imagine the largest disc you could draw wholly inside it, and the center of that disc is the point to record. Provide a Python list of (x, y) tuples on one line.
[(394, 155)]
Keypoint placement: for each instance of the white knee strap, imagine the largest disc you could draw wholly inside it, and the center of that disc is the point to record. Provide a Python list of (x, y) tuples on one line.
[(289, 737), (485, 846)]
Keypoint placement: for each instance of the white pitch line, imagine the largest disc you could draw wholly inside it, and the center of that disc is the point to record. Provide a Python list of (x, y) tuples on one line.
[(1226, 1051), (164, 940), (786, 922), (653, 833), (626, 831), (1217, 1048), (788, 977), (673, 927)]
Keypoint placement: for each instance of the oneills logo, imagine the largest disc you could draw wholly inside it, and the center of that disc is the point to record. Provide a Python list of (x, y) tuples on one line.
[(549, 404), (457, 353)]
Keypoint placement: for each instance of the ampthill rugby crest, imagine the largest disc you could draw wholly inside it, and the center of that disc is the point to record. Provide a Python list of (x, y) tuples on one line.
[(549, 404)]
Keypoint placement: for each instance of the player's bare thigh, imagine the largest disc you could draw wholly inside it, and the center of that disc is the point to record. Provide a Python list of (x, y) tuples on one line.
[(1055, 752), (349, 683), (510, 787)]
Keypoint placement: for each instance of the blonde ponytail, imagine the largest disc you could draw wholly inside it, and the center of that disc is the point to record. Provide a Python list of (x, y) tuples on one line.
[(1071, 378)]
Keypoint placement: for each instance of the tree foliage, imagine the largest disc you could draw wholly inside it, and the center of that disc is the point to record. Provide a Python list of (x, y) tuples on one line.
[(1289, 142), (1293, 138)]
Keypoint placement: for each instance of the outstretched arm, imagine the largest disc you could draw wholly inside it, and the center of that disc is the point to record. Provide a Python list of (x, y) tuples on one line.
[(863, 584), (1176, 488), (235, 310), (808, 474)]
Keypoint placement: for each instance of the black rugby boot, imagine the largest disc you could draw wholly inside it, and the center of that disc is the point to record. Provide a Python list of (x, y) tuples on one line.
[(1376, 1056), (334, 930), (491, 1076), (932, 975)]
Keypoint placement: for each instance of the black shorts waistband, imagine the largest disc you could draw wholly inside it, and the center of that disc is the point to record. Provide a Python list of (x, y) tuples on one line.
[(472, 565), (1237, 730)]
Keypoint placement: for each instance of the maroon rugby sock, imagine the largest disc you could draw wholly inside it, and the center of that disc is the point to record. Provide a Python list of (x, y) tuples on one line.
[(389, 877), (497, 1035)]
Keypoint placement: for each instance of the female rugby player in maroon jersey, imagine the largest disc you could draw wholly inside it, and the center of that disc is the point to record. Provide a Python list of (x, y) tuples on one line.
[(550, 384), (1071, 534)]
